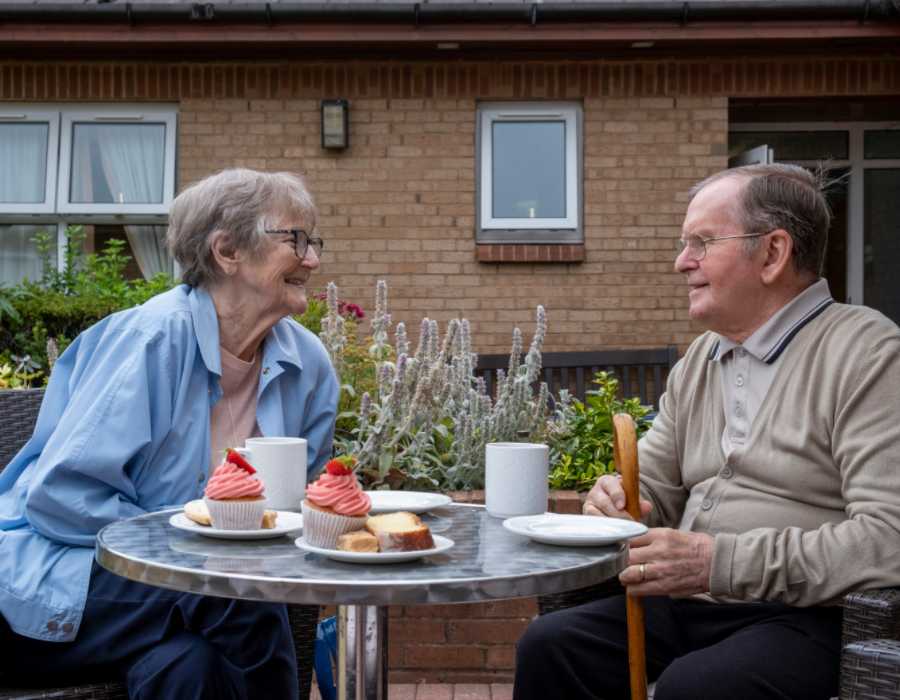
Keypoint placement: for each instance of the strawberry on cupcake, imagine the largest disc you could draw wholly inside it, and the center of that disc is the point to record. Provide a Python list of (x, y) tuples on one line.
[(335, 503), (234, 496)]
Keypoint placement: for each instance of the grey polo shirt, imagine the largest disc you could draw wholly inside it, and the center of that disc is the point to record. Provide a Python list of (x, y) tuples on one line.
[(748, 370)]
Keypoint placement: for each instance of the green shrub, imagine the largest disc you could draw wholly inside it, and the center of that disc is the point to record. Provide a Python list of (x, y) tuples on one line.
[(581, 444), (89, 287), (19, 377), (65, 302)]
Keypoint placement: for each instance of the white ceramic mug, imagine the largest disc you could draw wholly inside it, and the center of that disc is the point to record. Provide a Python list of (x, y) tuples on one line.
[(515, 478), (281, 465)]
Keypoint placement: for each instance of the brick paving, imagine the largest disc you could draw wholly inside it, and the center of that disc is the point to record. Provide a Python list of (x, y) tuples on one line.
[(443, 691)]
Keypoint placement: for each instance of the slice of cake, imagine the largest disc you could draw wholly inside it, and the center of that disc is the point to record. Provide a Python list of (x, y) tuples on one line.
[(400, 532), (358, 541)]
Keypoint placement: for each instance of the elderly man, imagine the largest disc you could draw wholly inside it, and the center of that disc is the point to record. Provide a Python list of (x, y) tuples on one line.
[(769, 479)]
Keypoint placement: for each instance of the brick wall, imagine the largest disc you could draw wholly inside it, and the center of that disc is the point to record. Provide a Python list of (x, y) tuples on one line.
[(399, 203)]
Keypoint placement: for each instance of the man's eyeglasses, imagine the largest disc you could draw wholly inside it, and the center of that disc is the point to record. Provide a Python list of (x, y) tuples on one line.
[(302, 241), (696, 246)]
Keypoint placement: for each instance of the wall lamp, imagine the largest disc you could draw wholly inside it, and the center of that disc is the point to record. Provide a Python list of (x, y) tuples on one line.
[(335, 124)]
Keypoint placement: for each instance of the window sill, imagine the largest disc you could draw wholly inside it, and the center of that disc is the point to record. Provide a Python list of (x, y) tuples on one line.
[(529, 253)]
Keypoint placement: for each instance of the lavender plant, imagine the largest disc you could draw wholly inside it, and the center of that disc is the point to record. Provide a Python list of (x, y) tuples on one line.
[(429, 417)]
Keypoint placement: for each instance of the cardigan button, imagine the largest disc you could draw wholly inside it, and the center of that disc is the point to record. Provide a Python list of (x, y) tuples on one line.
[(727, 473), (52, 626), (707, 504), (67, 627)]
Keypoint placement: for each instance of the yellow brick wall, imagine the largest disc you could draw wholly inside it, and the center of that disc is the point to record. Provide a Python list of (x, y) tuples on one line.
[(399, 204)]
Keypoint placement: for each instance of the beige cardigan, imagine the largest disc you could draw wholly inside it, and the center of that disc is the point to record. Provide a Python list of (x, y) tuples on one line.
[(809, 508)]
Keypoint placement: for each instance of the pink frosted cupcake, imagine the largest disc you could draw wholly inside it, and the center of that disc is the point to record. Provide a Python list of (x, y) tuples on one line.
[(234, 496), (334, 504)]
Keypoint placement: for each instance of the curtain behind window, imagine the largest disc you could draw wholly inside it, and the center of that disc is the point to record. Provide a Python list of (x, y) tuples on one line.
[(23, 151), (131, 158)]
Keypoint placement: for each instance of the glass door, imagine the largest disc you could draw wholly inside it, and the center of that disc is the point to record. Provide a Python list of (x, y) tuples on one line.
[(863, 159), (881, 240)]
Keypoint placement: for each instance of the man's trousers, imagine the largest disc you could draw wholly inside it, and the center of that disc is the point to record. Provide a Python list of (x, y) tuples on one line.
[(695, 651)]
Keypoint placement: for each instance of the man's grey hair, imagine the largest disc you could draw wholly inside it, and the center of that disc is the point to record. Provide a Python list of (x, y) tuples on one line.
[(782, 196), (243, 203)]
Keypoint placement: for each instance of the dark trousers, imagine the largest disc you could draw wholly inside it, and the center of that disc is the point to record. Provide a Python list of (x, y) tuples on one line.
[(165, 644), (695, 651)]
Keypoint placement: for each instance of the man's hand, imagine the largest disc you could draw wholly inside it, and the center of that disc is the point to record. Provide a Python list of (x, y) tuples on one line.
[(607, 497), (668, 562)]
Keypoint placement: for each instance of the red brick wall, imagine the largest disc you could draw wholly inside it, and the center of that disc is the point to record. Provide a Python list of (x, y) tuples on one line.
[(399, 203)]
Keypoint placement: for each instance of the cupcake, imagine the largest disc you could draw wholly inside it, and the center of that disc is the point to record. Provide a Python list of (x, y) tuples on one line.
[(234, 496), (334, 504)]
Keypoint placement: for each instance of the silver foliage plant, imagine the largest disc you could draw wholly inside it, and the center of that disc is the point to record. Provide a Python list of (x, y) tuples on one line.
[(431, 417)]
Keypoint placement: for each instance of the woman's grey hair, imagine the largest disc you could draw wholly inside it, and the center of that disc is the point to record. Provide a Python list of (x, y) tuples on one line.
[(243, 203), (782, 196)]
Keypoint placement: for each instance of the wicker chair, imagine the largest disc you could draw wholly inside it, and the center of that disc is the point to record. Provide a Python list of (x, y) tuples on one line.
[(18, 413), (870, 661)]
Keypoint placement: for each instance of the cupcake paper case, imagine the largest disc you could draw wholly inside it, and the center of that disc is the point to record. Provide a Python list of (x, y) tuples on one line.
[(335, 503), (234, 496)]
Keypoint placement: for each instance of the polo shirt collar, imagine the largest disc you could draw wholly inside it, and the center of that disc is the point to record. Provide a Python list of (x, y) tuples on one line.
[(768, 341)]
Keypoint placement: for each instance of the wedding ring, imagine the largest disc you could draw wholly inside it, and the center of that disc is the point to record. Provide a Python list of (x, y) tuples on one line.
[(643, 569)]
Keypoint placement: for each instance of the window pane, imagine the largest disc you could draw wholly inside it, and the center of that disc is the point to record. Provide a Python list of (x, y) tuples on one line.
[(25, 145), (881, 251), (117, 163), (882, 144), (529, 170), (18, 256), (793, 145)]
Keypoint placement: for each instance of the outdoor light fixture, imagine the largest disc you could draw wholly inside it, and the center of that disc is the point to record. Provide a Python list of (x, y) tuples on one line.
[(335, 124)]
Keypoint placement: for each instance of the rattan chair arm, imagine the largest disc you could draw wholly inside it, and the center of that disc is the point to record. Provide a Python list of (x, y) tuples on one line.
[(872, 614), (871, 670)]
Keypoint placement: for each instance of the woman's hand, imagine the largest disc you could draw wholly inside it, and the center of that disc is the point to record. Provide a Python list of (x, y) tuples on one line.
[(668, 562), (608, 498)]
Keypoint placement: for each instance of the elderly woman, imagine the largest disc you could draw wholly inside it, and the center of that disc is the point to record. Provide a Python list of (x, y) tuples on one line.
[(136, 412)]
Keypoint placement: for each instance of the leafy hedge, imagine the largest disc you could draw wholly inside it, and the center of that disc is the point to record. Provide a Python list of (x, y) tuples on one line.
[(64, 302), (581, 449)]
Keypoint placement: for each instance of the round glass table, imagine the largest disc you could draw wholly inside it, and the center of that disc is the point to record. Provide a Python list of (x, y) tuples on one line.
[(487, 562)]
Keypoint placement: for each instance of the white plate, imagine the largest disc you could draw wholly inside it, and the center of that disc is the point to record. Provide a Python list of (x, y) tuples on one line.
[(441, 544), (411, 501), (574, 530), (285, 522)]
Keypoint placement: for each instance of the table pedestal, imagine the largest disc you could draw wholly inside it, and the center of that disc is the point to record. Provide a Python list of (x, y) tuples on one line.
[(362, 665)]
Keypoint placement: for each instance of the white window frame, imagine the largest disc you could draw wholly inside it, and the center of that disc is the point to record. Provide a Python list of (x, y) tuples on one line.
[(141, 114), (566, 229), (858, 165), (53, 214), (15, 115)]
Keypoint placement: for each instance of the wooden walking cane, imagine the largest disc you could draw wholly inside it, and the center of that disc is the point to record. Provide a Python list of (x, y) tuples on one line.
[(626, 460)]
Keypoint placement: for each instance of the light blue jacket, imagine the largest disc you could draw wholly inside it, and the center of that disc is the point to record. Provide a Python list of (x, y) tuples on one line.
[(124, 429)]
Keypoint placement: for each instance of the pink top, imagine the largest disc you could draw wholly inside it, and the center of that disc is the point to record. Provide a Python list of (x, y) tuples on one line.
[(230, 481), (233, 419), (340, 493)]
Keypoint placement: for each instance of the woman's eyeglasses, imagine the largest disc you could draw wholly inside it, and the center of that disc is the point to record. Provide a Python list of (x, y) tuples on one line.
[(302, 241)]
